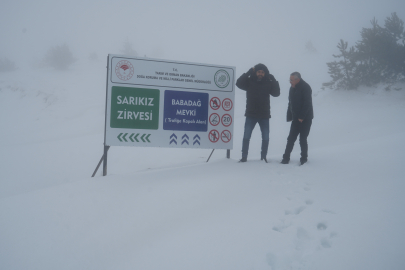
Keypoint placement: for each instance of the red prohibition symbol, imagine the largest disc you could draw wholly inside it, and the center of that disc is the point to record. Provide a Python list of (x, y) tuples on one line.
[(213, 136), (226, 136), (214, 119), (227, 104), (226, 120), (215, 103)]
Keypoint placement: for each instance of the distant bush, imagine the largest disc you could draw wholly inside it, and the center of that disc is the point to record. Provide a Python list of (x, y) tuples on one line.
[(309, 47), (379, 57), (6, 65), (59, 57), (128, 49)]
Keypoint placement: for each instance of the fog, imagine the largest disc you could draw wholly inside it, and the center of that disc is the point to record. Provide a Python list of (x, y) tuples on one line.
[(167, 208), (234, 33)]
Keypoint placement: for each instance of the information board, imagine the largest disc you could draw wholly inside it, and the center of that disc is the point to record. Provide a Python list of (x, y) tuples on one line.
[(161, 103)]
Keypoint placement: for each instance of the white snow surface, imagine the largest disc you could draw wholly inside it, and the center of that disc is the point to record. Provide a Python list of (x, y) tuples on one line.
[(161, 208)]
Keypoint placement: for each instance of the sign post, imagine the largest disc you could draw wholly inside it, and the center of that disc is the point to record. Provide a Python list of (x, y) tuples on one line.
[(173, 104)]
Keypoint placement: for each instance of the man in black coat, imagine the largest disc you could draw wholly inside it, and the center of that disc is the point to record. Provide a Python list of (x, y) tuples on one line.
[(300, 113), (259, 84)]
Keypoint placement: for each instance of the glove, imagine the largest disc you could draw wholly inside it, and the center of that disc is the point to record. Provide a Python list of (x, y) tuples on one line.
[(271, 77), (250, 72)]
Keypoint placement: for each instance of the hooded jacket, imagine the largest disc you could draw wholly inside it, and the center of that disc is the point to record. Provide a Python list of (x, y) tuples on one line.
[(300, 102), (258, 92)]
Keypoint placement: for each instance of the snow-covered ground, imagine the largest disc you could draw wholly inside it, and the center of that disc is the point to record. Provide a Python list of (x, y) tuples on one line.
[(168, 209)]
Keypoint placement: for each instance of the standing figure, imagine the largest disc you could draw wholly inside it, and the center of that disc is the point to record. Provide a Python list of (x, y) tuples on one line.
[(259, 84), (300, 113)]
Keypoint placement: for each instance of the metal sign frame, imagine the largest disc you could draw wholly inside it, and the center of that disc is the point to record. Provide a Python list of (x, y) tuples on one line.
[(162, 103)]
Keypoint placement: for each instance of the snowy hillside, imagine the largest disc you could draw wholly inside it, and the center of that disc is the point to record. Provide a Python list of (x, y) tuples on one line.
[(168, 209)]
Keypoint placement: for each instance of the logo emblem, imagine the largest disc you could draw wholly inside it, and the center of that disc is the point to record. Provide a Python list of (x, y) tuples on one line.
[(222, 78), (124, 70)]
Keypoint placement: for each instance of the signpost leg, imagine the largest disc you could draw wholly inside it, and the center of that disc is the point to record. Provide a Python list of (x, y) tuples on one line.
[(228, 153), (210, 155), (98, 165), (101, 160), (105, 160)]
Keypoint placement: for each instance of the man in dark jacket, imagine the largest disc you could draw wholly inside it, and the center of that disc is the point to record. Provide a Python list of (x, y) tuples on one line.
[(259, 84), (300, 113)]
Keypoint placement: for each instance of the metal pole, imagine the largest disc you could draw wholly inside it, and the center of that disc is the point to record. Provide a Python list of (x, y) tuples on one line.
[(210, 155), (99, 163), (98, 166), (106, 147), (228, 153), (105, 122)]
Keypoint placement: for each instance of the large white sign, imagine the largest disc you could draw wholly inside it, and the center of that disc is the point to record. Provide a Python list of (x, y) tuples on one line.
[(160, 103)]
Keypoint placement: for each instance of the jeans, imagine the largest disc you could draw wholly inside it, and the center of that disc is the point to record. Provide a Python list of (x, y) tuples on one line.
[(250, 124)]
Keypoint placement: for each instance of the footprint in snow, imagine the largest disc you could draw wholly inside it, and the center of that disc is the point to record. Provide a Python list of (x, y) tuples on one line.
[(333, 234), (321, 226), (309, 202), (282, 227), (328, 211), (297, 211), (326, 243)]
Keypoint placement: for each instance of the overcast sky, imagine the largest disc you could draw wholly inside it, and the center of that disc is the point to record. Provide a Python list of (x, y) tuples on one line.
[(234, 33)]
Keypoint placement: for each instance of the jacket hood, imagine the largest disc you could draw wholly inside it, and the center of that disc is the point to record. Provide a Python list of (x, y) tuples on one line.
[(264, 68)]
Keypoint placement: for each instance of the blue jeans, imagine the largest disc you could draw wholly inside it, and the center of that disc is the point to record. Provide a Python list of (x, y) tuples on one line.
[(250, 124)]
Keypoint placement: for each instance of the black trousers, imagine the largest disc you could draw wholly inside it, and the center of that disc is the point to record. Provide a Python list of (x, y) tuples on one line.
[(302, 129)]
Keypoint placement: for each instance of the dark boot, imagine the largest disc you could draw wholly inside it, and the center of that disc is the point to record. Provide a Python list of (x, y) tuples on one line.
[(265, 147), (245, 150), (304, 150), (288, 149), (285, 160)]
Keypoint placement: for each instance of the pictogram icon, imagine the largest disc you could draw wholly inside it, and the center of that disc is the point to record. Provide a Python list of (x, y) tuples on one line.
[(226, 120), (226, 136), (213, 136), (227, 104), (215, 103), (214, 119)]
